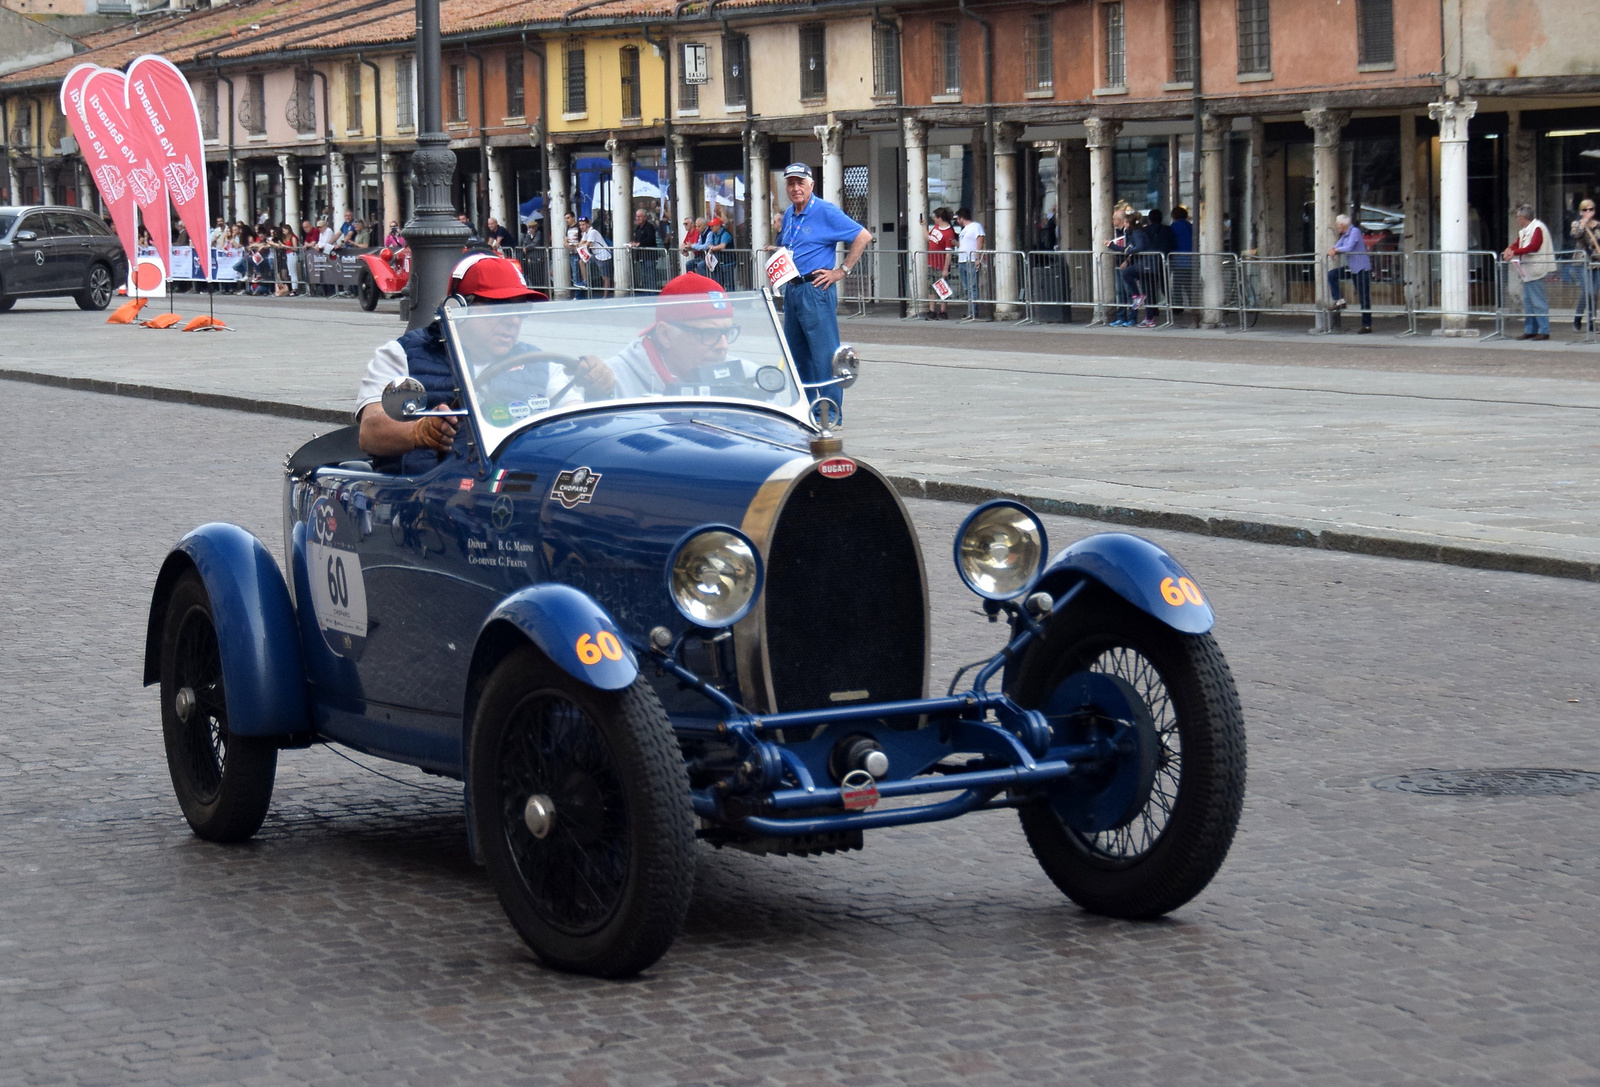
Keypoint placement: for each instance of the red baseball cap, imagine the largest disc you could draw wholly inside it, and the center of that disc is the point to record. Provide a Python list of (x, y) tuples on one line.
[(711, 299), (483, 275)]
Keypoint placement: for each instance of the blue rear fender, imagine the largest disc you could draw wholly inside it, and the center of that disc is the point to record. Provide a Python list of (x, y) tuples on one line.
[(1138, 571), (568, 626), (254, 620)]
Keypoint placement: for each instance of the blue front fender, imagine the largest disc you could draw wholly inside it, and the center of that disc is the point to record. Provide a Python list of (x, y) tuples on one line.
[(572, 630), (1138, 571), (254, 620)]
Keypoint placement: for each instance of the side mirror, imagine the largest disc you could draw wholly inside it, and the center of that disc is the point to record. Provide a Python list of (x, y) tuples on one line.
[(846, 366), (404, 398), (26, 236)]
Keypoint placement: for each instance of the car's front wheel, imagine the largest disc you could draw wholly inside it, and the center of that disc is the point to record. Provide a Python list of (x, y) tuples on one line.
[(580, 804), (1145, 834), (367, 291), (6, 300), (223, 781), (97, 289)]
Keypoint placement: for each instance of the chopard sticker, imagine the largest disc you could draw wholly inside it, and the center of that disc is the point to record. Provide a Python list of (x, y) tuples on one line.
[(338, 593), (837, 467), (575, 485)]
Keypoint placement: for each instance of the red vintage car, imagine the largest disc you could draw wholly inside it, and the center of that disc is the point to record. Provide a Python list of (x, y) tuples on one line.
[(385, 276)]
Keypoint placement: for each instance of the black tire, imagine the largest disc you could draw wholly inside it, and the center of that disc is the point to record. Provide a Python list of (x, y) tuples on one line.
[(6, 301), (367, 291), (605, 889), (223, 781), (97, 288), (1169, 851)]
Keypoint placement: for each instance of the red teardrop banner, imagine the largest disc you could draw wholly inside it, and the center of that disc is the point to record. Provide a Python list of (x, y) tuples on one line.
[(166, 121)]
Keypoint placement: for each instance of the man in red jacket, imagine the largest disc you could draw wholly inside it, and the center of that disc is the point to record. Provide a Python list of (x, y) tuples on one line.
[(1533, 256)]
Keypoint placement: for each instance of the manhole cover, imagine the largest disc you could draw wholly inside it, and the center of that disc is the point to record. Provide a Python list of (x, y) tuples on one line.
[(1498, 782)]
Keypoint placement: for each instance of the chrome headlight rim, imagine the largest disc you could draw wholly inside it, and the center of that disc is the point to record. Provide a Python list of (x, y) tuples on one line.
[(688, 539), (1039, 565)]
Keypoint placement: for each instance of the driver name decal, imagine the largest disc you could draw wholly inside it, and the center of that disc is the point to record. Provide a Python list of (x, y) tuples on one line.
[(574, 485), (837, 468)]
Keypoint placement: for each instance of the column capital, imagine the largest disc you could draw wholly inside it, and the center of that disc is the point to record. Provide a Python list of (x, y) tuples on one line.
[(757, 144), (1214, 129), (916, 132), (288, 162), (557, 153), (390, 161), (338, 158), (1006, 135), (831, 136), (680, 144), (1326, 124), (1102, 132), (618, 148), (1453, 115)]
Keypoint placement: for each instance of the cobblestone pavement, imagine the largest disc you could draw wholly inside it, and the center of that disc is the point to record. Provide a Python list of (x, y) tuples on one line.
[(1355, 936), (1426, 442)]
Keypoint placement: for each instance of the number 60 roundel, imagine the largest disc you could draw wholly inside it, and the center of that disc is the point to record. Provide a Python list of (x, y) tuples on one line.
[(593, 648), (1180, 591)]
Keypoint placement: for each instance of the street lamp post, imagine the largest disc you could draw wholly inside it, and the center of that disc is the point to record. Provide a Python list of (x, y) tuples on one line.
[(434, 234)]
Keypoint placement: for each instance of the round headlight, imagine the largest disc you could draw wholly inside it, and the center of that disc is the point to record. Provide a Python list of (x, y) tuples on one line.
[(714, 576), (1000, 549)]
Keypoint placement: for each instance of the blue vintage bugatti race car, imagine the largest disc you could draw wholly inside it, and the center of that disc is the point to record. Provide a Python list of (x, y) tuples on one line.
[(679, 613)]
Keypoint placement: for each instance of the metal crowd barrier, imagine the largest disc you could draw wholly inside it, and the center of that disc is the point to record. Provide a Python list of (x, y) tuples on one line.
[(1569, 294)]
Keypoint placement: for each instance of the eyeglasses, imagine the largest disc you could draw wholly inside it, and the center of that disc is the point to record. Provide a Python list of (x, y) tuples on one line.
[(708, 337)]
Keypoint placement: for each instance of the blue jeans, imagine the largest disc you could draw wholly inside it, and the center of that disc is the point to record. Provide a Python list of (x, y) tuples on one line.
[(1128, 285), (577, 276), (1536, 307), (1363, 282), (969, 285), (811, 325), (1590, 278)]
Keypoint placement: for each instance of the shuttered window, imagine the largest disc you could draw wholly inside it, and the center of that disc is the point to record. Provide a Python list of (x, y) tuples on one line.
[(352, 97), (947, 76), (1038, 53), (628, 59), (458, 94), (405, 97), (885, 60), (576, 97), (1183, 41), (1255, 37), (813, 61), (1375, 31), (515, 88), (735, 70), (1116, 55)]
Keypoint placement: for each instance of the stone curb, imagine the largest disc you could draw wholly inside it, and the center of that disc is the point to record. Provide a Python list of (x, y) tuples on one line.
[(911, 487)]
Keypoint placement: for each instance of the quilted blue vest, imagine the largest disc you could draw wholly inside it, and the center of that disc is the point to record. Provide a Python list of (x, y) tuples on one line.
[(428, 361)]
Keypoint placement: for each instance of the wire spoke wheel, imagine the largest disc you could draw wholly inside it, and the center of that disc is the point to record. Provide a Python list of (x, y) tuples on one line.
[(200, 703), (1161, 853), (576, 870)]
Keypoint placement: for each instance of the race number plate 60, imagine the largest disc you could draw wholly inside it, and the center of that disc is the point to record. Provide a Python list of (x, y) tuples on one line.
[(1180, 591), (592, 649)]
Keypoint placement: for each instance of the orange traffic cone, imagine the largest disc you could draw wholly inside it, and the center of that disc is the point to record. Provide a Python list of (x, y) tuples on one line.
[(127, 312), (165, 320)]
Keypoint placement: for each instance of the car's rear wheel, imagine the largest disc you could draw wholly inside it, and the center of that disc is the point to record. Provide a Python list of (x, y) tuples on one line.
[(367, 291), (223, 781), (6, 300), (97, 288), (580, 804), (1138, 840)]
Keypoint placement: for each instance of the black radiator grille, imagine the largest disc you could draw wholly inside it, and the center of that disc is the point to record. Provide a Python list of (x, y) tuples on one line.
[(844, 597)]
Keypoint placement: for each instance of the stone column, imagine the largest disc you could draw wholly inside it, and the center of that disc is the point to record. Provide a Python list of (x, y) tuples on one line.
[(1213, 205), (290, 165), (85, 184), (389, 172), (555, 157), (832, 137), (1326, 126), (683, 182), (758, 208), (1521, 180), (1102, 148), (621, 214), (47, 180), (339, 187), (1073, 214), (241, 195), (1412, 239), (1256, 216), (1007, 273), (493, 167), (1453, 115), (917, 220)]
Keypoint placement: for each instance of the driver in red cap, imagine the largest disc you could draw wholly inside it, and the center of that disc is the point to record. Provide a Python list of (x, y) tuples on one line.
[(685, 353), (483, 279)]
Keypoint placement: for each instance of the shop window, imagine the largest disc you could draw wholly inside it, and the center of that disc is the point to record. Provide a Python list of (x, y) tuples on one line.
[(947, 76), (1255, 37), (735, 70), (885, 61), (576, 96), (515, 89), (1038, 54), (1375, 33), (1116, 46), (405, 93), (458, 94), (1183, 13), (813, 61), (352, 97), (631, 105)]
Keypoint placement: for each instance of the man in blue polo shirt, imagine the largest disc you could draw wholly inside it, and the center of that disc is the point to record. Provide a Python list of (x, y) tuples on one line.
[(812, 228)]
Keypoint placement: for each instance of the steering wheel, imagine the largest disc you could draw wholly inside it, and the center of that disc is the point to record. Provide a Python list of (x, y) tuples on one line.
[(523, 358)]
